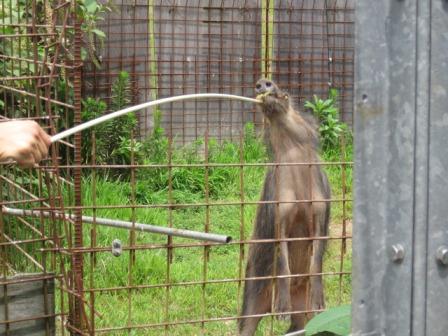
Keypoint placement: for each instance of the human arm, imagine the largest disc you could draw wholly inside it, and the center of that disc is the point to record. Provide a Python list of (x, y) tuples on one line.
[(24, 142)]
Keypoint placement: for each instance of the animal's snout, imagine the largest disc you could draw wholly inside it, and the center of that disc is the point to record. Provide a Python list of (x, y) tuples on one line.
[(263, 86)]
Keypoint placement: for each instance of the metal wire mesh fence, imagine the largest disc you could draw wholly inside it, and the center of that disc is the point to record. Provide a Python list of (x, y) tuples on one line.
[(181, 47), (196, 165), (40, 65)]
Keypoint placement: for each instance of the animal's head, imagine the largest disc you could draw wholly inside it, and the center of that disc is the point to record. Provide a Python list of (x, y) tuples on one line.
[(275, 102)]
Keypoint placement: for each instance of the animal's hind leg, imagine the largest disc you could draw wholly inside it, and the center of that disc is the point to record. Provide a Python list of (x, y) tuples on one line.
[(300, 283), (316, 282), (298, 301), (283, 298), (255, 303)]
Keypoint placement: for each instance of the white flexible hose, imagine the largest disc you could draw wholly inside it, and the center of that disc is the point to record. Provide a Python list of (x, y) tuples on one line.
[(134, 108)]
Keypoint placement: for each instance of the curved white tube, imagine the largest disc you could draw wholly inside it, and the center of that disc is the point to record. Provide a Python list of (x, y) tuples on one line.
[(119, 113)]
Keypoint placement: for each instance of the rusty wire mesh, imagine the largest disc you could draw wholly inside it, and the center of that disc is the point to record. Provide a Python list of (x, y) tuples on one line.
[(206, 175), (41, 76)]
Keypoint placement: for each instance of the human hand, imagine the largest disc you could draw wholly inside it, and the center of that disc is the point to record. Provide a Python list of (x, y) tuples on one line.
[(24, 142)]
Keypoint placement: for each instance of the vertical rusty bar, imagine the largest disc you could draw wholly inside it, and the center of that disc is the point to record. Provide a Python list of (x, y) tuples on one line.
[(266, 71), (344, 85), (209, 48), (230, 77), (93, 231), (184, 73), (11, 49), (132, 233), (196, 84), (3, 68), (290, 40), (220, 70), (107, 81), (169, 249), (344, 216), (172, 59), (35, 59), (326, 38), (4, 258), (311, 224), (206, 227), (242, 221), (197, 75), (134, 77), (277, 233), (122, 40), (300, 67), (77, 259)]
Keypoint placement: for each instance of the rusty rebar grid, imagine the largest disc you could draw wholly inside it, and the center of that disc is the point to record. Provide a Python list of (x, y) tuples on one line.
[(211, 47)]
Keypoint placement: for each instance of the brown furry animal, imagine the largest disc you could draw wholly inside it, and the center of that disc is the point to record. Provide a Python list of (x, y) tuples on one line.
[(293, 138)]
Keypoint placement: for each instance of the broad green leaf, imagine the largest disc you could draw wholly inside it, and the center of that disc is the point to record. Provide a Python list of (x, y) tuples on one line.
[(335, 320), (99, 33), (310, 105), (91, 5)]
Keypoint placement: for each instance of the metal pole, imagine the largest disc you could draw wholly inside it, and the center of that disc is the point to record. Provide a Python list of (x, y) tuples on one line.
[(125, 225)]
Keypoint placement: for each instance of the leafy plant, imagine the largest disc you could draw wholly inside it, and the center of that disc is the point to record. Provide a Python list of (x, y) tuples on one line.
[(91, 12), (330, 127), (43, 43), (94, 108), (333, 322), (156, 146), (113, 138)]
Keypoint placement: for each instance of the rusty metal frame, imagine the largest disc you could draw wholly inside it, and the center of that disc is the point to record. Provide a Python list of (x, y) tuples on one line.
[(225, 31)]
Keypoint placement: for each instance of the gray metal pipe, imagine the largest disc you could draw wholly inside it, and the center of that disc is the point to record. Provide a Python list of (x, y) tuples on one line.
[(125, 225)]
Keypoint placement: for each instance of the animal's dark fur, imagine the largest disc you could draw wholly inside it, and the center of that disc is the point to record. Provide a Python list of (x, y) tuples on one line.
[(292, 137)]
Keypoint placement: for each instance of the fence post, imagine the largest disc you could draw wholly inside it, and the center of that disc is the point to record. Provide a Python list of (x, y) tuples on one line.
[(77, 269), (401, 133), (436, 297)]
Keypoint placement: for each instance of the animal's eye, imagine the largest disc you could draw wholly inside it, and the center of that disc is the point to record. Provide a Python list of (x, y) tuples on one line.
[(258, 86), (268, 84)]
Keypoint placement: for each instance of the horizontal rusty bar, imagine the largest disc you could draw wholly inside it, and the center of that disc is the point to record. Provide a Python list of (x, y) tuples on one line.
[(30, 318), (6, 79), (21, 250), (195, 205), (25, 93), (204, 320), (211, 165), (189, 245), (229, 22), (32, 278), (210, 282), (27, 241), (26, 201), (317, 7), (31, 25), (27, 35), (50, 64)]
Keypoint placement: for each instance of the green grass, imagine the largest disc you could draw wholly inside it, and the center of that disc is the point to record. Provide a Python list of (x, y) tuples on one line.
[(158, 304)]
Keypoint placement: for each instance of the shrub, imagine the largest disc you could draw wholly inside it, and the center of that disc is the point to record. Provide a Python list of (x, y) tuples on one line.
[(331, 129), (113, 137)]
